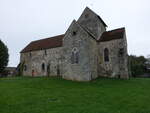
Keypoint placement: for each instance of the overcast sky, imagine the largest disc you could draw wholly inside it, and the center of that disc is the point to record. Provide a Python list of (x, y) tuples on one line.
[(22, 21)]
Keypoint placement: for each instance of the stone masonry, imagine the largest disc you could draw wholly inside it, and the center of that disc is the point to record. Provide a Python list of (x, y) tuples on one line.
[(85, 52)]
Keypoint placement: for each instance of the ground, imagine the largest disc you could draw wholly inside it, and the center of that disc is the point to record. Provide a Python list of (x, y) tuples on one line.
[(55, 95)]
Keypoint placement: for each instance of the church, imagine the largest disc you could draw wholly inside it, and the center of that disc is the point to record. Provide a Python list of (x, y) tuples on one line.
[(84, 52)]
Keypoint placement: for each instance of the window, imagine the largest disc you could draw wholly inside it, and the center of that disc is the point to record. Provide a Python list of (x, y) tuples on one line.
[(30, 54), (45, 52), (75, 56), (43, 67), (74, 33), (106, 55), (25, 67), (121, 52)]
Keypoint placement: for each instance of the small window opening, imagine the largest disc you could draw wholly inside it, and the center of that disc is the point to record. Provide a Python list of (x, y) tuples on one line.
[(25, 67), (121, 52), (74, 33), (106, 55), (43, 67), (75, 56), (45, 52)]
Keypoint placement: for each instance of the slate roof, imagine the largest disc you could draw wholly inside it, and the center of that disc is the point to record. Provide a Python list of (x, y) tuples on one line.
[(47, 43), (112, 35)]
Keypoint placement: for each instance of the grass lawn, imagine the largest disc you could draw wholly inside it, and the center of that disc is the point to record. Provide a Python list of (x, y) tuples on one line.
[(55, 95)]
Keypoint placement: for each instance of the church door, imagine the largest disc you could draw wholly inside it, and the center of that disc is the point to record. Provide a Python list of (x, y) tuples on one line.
[(58, 70)]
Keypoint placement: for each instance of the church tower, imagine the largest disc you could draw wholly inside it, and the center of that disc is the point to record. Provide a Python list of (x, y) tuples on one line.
[(92, 22)]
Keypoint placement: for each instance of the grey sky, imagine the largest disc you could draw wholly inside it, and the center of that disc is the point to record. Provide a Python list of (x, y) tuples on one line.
[(22, 21)]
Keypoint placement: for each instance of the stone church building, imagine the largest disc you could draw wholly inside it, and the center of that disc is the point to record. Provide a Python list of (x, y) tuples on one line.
[(85, 52)]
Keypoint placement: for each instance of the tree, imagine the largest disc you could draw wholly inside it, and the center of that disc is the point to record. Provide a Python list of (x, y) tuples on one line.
[(137, 65), (3, 56)]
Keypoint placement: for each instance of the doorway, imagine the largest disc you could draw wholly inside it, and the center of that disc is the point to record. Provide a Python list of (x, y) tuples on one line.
[(58, 70)]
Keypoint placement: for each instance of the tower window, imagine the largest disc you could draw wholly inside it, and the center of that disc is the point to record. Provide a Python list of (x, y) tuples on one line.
[(121, 52), (106, 55), (74, 33)]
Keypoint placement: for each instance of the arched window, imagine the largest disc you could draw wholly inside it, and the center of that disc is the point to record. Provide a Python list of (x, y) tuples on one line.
[(43, 67), (45, 51), (25, 67), (75, 56), (106, 55)]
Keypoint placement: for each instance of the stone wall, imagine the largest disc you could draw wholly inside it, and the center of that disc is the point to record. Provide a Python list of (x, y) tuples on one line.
[(85, 69), (91, 21), (117, 66), (87, 62), (52, 60)]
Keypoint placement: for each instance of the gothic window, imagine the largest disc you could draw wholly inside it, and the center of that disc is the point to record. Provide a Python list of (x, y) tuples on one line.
[(121, 52), (75, 56), (43, 67), (106, 55)]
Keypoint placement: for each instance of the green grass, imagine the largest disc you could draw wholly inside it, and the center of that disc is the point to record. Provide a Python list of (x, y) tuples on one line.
[(55, 95)]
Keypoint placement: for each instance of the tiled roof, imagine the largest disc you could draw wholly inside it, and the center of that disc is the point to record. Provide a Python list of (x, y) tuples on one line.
[(112, 35), (57, 41), (47, 43)]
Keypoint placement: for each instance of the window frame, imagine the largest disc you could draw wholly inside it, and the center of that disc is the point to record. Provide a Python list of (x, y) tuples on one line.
[(106, 55), (75, 56)]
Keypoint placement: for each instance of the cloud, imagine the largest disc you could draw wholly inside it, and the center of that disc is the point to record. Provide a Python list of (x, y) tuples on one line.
[(25, 20)]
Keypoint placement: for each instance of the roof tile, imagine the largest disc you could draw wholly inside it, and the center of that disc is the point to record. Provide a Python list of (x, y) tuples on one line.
[(47, 43), (112, 35)]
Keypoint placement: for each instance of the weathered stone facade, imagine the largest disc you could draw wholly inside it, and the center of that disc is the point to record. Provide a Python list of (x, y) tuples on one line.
[(83, 53)]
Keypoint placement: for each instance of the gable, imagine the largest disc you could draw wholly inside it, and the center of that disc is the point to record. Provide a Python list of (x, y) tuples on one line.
[(47, 43), (91, 21), (79, 30), (88, 12)]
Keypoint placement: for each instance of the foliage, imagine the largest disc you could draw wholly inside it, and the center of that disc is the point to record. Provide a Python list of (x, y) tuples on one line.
[(3, 56), (55, 95), (20, 68), (137, 65)]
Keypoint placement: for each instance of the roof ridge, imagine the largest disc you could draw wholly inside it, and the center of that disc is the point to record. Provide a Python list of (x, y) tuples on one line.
[(47, 43), (47, 38), (112, 34), (87, 8), (116, 29)]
